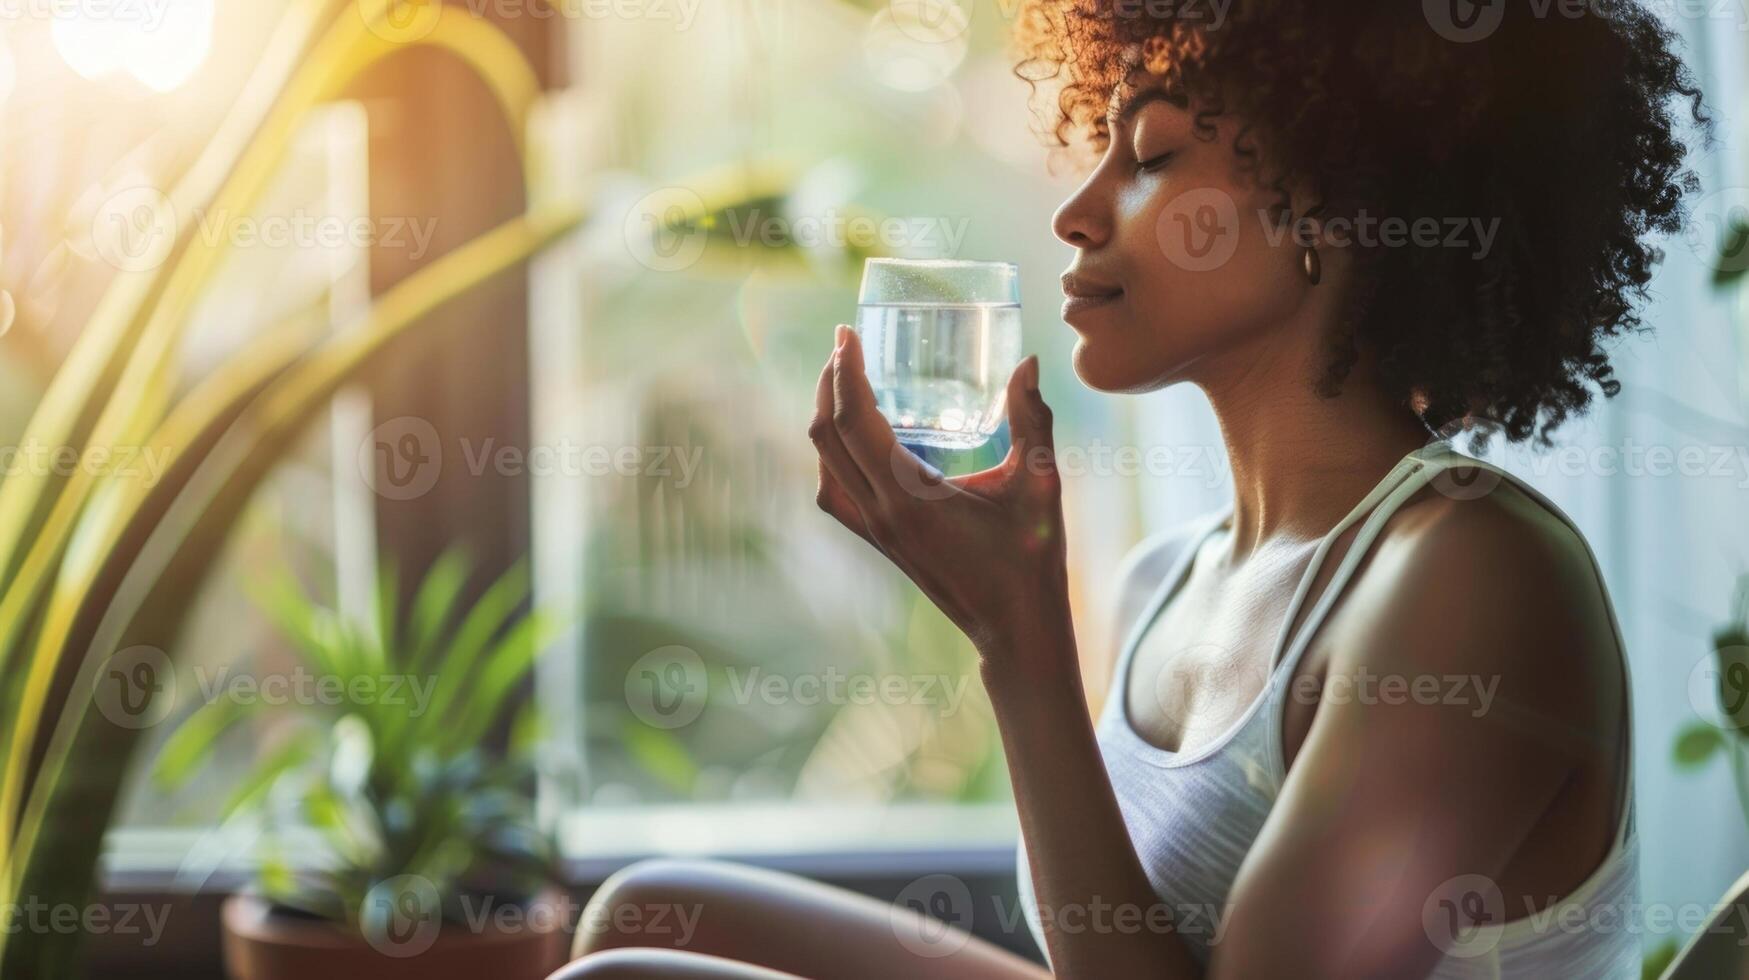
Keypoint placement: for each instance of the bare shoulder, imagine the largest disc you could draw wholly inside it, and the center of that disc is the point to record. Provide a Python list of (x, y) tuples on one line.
[(1492, 585), (1487, 739)]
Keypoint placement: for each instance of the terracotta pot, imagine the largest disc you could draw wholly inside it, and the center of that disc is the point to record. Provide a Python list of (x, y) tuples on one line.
[(265, 943)]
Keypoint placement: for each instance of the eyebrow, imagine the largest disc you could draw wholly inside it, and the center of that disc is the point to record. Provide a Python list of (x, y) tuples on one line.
[(1134, 103)]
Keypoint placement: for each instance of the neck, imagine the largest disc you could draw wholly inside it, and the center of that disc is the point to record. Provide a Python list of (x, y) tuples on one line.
[(1300, 462)]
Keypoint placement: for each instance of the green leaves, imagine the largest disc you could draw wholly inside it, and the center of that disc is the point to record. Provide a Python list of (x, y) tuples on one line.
[(1697, 744), (431, 607), (391, 781), (660, 754), (192, 745), (295, 752), (94, 563), (1732, 260), (1658, 960)]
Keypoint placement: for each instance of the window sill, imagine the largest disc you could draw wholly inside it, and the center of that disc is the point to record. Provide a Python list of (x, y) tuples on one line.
[(823, 841)]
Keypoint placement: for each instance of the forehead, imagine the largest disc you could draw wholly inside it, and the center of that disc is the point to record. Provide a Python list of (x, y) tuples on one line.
[(1135, 91)]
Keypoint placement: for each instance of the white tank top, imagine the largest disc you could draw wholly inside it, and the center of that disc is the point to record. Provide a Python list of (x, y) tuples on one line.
[(1193, 816)]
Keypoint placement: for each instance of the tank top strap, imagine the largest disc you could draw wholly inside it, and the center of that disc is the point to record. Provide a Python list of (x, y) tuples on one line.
[(1415, 472), (1406, 478)]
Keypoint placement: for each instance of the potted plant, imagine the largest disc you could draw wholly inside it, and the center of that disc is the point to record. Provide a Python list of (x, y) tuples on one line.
[(390, 843), (1726, 730), (1722, 730)]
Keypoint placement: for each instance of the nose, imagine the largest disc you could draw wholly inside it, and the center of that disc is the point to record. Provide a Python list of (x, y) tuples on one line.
[(1084, 220)]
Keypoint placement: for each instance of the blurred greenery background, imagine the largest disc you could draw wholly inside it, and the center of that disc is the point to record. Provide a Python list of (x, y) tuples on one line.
[(726, 149), (835, 131)]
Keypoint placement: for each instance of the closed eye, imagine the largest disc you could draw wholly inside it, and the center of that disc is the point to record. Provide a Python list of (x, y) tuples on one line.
[(1154, 163)]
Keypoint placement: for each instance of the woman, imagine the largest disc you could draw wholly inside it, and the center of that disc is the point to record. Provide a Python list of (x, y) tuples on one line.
[(1372, 719)]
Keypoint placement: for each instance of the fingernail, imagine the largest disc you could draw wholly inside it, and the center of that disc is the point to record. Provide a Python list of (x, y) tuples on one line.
[(839, 333), (1032, 374)]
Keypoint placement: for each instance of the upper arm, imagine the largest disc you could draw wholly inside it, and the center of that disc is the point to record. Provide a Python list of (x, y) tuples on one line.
[(1401, 811)]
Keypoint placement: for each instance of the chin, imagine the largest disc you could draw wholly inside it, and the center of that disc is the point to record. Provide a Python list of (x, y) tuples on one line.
[(1116, 371)]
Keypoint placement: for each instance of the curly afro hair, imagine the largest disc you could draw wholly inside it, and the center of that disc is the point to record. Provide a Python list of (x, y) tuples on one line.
[(1563, 126)]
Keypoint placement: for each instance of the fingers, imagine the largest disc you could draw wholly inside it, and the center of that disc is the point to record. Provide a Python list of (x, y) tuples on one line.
[(835, 461), (834, 500), (865, 433), (894, 473), (1030, 424)]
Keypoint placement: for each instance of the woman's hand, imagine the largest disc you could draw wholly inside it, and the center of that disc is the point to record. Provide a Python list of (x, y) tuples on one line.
[(986, 548)]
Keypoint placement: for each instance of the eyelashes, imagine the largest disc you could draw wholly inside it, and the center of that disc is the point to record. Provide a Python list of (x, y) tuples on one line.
[(1154, 163)]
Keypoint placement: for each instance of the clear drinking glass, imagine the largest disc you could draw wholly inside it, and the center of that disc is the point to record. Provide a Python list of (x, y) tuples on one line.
[(940, 338)]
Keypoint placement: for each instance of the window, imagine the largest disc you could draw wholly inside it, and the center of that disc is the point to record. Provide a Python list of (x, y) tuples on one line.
[(743, 676)]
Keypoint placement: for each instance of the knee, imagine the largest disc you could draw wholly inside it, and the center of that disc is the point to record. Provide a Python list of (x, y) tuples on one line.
[(595, 966), (621, 964), (617, 912)]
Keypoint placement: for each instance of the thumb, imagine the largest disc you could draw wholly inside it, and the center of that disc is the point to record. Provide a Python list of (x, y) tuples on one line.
[(1030, 422)]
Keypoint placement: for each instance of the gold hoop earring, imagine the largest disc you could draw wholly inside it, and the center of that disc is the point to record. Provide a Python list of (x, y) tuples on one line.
[(1314, 266)]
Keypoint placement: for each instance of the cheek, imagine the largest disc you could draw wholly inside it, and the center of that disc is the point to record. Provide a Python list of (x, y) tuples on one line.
[(1209, 267)]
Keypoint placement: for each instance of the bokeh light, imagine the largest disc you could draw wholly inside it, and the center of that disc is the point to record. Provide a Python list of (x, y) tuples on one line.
[(914, 45), (8, 71), (160, 45)]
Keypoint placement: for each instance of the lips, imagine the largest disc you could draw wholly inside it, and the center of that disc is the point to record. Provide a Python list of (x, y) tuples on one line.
[(1078, 306), (1086, 294)]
